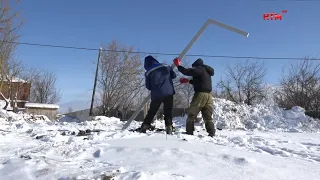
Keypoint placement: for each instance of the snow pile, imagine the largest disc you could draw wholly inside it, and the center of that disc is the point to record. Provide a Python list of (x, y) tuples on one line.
[(2, 104), (98, 149), (270, 91), (14, 79), (21, 116), (6, 114), (227, 115), (64, 118), (262, 117), (41, 105)]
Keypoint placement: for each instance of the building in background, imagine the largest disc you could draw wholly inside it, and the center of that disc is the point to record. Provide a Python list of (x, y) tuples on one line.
[(14, 93), (49, 110)]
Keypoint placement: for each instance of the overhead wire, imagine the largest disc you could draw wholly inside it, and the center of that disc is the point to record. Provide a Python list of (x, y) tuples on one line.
[(156, 53)]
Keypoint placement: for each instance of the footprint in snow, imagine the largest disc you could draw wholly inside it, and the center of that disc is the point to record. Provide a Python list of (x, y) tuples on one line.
[(97, 154), (311, 144), (226, 157), (236, 160), (240, 161)]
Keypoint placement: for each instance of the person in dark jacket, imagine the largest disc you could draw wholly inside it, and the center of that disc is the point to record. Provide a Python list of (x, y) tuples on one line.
[(159, 82), (202, 99)]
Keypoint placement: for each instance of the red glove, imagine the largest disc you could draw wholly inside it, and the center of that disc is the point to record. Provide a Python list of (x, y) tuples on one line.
[(177, 61), (184, 80)]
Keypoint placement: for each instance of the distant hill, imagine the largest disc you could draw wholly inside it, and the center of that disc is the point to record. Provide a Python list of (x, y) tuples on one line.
[(74, 105)]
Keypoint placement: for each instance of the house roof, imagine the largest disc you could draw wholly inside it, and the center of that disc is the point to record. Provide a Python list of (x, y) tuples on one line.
[(15, 79), (41, 105)]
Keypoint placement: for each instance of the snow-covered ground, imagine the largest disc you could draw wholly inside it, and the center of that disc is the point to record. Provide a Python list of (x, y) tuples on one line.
[(283, 146)]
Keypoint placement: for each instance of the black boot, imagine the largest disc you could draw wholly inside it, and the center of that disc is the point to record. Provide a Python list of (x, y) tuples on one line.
[(168, 123), (144, 128), (190, 127), (169, 129), (210, 128)]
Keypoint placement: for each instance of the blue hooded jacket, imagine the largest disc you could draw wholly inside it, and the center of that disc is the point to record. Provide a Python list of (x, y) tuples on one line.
[(158, 78)]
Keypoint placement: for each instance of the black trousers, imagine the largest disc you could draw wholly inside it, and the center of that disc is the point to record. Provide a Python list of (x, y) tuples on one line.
[(154, 106)]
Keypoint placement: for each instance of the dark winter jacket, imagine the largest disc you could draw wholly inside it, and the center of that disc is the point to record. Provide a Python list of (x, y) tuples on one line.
[(158, 78), (201, 76)]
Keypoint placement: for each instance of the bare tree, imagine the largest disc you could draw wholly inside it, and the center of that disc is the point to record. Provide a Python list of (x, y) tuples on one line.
[(244, 82), (9, 66), (219, 94), (9, 27), (300, 86), (178, 100), (43, 89), (184, 92), (130, 99), (187, 89), (70, 110), (120, 77), (142, 95)]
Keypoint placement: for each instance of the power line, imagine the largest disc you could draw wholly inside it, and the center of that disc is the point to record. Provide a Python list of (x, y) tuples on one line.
[(155, 53)]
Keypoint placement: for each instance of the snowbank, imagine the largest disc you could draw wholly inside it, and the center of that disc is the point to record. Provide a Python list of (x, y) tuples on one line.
[(229, 115), (98, 149), (21, 116), (64, 118)]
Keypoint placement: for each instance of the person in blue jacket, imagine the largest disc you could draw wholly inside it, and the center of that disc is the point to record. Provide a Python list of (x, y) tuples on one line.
[(159, 82)]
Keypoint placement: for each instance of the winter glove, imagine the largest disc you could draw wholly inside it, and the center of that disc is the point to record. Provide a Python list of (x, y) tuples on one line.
[(177, 62), (184, 80)]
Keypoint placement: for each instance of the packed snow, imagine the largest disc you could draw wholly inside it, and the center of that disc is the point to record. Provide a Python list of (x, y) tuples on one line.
[(241, 116), (260, 142), (42, 105), (14, 79), (3, 104)]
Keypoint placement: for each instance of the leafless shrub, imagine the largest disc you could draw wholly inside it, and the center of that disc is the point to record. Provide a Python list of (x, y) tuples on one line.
[(300, 86), (43, 88), (120, 78), (244, 82), (10, 23), (184, 92)]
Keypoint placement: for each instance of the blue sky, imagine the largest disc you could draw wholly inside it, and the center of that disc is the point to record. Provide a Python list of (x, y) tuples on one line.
[(162, 26)]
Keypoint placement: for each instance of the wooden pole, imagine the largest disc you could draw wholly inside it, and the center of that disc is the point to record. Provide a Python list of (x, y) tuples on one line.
[(95, 83)]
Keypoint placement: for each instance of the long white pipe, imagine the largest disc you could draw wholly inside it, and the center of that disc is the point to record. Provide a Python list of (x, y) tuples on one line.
[(183, 53)]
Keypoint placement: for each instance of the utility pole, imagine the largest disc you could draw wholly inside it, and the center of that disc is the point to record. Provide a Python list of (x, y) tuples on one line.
[(95, 83)]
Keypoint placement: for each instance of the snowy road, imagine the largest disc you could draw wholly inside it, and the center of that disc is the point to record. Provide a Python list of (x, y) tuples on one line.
[(39, 151)]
